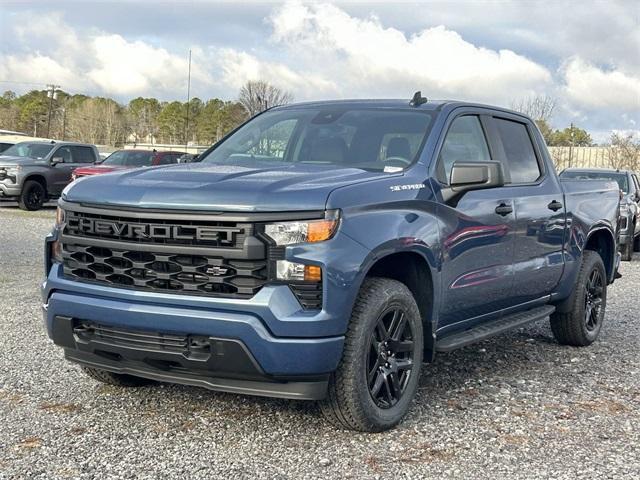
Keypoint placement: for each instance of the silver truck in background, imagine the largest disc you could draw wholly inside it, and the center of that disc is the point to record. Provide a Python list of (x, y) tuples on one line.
[(33, 172)]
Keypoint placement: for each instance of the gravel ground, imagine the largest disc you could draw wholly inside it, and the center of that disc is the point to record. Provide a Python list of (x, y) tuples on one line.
[(516, 406)]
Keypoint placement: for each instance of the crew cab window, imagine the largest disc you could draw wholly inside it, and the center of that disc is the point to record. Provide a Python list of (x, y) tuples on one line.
[(65, 154), (83, 155), (519, 152), (465, 142)]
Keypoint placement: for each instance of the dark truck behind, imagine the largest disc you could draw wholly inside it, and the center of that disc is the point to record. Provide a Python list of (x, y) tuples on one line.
[(324, 251)]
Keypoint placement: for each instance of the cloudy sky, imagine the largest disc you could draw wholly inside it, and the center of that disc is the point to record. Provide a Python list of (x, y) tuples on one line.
[(586, 54)]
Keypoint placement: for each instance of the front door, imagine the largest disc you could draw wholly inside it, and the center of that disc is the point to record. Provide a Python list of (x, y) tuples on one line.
[(478, 234), (60, 173)]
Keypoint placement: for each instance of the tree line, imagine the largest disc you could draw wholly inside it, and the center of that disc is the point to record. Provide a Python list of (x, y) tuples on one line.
[(104, 121)]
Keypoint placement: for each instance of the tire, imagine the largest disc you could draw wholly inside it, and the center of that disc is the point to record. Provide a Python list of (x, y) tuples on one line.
[(629, 247), (627, 251), (117, 379), (32, 197), (636, 243), (362, 393), (575, 327)]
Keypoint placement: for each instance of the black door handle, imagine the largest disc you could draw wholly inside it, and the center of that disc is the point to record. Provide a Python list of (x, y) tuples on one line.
[(555, 205), (504, 209)]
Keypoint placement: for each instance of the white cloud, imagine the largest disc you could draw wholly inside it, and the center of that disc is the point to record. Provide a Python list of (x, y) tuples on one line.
[(366, 58), (133, 68), (590, 87), (239, 67), (490, 53)]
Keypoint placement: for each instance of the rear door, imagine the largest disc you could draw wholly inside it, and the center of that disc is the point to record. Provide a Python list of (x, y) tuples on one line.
[(477, 232), (539, 208)]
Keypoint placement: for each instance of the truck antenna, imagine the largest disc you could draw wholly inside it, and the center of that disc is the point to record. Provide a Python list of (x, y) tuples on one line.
[(418, 99)]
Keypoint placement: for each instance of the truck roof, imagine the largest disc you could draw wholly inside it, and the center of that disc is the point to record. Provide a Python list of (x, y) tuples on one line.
[(50, 142), (595, 170), (402, 103)]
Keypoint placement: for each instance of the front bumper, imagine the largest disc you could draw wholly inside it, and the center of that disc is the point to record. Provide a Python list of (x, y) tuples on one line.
[(9, 189), (215, 363), (292, 350)]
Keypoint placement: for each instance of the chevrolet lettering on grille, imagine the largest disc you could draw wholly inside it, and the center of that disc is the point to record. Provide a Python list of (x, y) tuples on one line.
[(124, 230)]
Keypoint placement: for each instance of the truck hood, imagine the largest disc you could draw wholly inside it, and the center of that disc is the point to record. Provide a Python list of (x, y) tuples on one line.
[(218, 187), (97, 169), (7, 160)]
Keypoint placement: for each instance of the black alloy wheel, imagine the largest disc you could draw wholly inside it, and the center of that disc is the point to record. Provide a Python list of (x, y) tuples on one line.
[(593, 300), (391, 357)]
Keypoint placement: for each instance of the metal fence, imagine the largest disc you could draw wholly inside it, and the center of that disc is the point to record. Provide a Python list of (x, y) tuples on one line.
[(592, 157)]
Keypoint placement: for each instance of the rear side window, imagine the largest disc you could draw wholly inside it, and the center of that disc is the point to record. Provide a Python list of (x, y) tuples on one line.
[(169, 158), (519, 152), (465, 142), (83, 155)]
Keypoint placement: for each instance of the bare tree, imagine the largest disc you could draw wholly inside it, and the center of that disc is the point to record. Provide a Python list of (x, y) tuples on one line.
[(539, 107), (257, 96), (624, 151)]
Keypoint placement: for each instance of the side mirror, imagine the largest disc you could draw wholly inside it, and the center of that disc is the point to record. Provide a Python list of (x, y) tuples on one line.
[(466, 176), (56, 160)]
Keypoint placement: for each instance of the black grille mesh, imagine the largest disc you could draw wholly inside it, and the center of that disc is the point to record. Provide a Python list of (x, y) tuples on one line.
[(189, 274)]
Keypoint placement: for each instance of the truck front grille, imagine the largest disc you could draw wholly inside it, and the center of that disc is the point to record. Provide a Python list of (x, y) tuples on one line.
[(183, 256), (175, 273)]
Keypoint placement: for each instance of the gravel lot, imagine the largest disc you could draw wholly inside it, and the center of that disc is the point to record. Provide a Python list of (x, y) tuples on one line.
[(516, 406)]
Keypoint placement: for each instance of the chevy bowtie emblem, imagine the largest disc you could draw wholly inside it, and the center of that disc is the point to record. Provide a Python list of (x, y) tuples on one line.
[(217, 271)]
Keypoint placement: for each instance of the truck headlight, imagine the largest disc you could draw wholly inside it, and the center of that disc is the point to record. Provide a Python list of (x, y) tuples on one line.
[(59, 218), (305, 231), (9, 171), (297, 272)]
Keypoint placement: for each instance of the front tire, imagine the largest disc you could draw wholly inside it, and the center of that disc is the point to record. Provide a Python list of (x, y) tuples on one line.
[(377, 378), (32, 196), (581, 325)]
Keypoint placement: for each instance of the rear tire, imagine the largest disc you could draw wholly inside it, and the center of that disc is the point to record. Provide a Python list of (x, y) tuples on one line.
[(32, 196), (629, 247), (627, 252), (377, 378), (582, 324), (117, 379)]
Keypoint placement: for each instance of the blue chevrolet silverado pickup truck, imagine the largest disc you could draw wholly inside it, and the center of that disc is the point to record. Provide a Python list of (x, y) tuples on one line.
[(324, 251)]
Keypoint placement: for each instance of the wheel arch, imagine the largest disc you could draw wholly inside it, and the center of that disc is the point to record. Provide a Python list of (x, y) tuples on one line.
[(411, 268), (602, 241), (37, 177)]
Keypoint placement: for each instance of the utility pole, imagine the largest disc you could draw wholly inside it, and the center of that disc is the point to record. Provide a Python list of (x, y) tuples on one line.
[(64, 123), (186, 135), (52, 94), (571, 145)]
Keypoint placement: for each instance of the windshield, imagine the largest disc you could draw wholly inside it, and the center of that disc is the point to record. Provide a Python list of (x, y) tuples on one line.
[(621, 178), (31, 150), (371, 139), (129, 158)]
